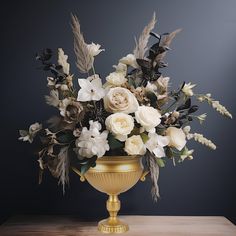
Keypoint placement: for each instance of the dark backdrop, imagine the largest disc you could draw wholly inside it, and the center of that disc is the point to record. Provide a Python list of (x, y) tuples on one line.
[(203, 53)]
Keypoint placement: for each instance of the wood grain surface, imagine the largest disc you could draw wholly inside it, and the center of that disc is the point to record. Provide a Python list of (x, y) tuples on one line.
[(139, 226)]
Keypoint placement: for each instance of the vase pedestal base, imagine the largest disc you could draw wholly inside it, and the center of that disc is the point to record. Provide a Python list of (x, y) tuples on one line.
[(112, 226)]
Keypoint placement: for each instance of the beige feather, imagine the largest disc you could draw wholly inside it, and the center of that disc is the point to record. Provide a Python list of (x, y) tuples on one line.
[(154, 174), (84, 61), (166, 42), (141, 44)]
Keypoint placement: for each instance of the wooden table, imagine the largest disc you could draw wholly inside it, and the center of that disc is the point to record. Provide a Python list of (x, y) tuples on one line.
[(139, 226)]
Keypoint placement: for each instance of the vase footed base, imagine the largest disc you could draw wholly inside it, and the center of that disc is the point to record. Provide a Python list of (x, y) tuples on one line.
[(112, 226)]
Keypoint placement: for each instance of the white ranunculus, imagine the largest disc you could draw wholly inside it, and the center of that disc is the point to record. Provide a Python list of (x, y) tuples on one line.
[(94, 49), (177, 138), (120, 125), (116, 79), (121, 68), (129, 60), (156, 143), (187, 89), (62, 61), (148, 117), (91, 142), (134, 145), (120, 100), (90, 89)]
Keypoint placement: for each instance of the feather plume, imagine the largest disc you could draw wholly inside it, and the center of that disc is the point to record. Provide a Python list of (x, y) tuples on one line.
[(166, 43), (62, 169), (84, 61), (141, 44), (154, 174)]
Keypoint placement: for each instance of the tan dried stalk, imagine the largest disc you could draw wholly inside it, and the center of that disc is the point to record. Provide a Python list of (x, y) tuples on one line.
[(141, 44), (84, 61)]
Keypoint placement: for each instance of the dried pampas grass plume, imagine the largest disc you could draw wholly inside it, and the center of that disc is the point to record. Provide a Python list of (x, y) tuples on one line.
[(141, 44), (165, 42), (84, 61)]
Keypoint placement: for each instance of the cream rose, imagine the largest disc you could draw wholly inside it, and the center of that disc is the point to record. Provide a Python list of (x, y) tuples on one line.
[(177, 138), (148, 118), (120, 125), (135, 146), (120, 100), (116, 79)]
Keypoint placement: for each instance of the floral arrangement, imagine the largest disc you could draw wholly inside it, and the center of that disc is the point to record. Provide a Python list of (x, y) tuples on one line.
[(133, 113)]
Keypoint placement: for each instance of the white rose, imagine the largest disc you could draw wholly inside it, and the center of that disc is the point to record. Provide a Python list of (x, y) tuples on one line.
[(120, 125), (129, 60), (135, 146), (120, 100), (116, 79), (177, 138), (148, 118)]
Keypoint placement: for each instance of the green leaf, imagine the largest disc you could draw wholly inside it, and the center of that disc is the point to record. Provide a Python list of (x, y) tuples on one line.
[(153, 98), (114, 143), (90, 163), (160, 162), (144, 137), (84, 168)]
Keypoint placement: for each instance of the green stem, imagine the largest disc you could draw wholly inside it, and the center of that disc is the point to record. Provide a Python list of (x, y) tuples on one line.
[(93, 70)]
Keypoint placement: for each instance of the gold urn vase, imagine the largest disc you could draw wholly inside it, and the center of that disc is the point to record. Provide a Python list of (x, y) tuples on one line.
[(114, 175)]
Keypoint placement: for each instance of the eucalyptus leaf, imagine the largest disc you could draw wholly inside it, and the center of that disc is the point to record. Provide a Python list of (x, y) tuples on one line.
[(144, 137), (160, 162), (114, 143)]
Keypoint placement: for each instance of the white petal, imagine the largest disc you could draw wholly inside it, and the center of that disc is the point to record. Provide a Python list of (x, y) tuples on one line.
[(121, 137), (163, 140), (84, 96), (84, 84), (99, 94), (159, 151), (97, 83)]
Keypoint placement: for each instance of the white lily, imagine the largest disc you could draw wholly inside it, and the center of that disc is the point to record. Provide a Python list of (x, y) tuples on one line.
[(90, 89), (156, 143)]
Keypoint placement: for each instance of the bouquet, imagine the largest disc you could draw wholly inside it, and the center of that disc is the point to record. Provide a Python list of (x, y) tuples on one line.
[(133, 113)]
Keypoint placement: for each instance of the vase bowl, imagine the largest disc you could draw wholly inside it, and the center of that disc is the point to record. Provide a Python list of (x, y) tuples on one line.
[(114, 175)]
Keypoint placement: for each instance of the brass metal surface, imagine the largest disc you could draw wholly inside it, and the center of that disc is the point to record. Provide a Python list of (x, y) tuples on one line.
[(114, 175)]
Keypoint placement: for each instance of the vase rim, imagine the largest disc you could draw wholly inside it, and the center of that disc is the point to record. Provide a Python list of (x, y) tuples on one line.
[(118, 158)]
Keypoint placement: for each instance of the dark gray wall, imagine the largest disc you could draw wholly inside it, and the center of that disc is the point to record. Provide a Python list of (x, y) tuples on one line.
[(203, 53)]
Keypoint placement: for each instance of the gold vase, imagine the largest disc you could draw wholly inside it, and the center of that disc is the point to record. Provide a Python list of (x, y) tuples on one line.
[(114, 175)]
